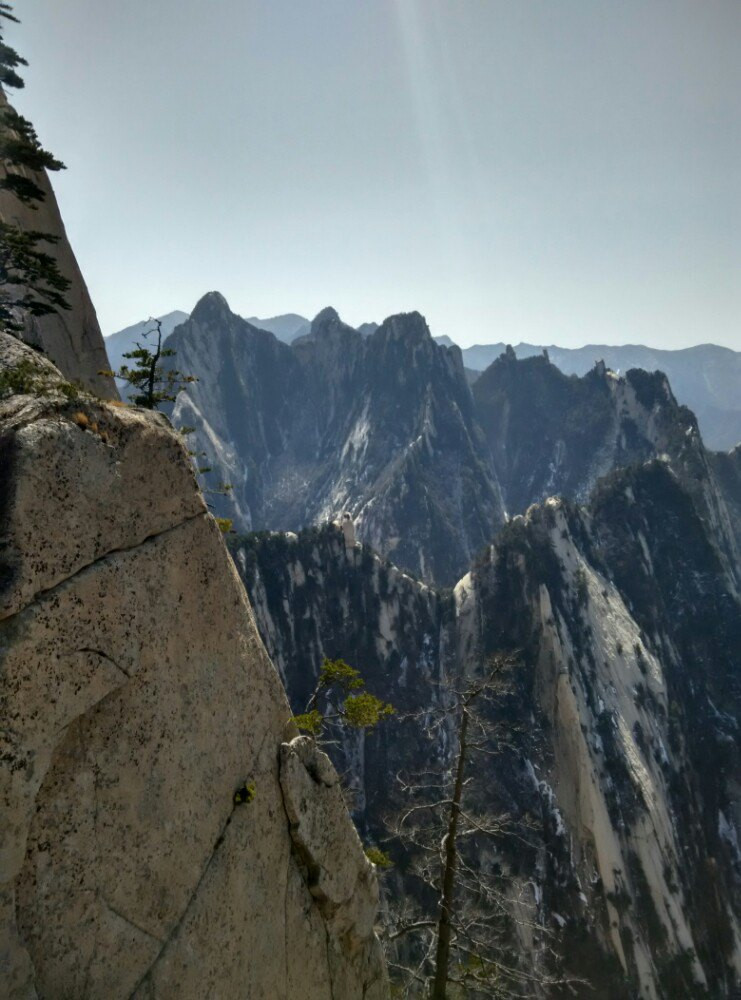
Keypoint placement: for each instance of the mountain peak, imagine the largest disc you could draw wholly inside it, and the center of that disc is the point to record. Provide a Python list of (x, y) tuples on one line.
[(411, 327), (329, 328), (325, 319), (210, 307)]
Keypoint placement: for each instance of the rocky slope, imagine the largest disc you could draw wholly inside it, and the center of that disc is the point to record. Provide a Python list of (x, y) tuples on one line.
[(315, 597), (552, 434), (727, 473), (623, 724), (629, 621), (163, 832), (381, 426), (70, 338), (705, 378)]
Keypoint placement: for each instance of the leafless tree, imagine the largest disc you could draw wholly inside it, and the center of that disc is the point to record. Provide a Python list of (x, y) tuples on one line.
[(460, 934)]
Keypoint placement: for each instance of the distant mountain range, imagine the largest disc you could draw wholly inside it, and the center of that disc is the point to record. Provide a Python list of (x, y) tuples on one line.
[(382, 426), (287, 328), (388, 427), (706, 378)]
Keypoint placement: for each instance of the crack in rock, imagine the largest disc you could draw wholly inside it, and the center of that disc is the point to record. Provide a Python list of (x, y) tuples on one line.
[(39, 595), (106, 657), (176, 927)]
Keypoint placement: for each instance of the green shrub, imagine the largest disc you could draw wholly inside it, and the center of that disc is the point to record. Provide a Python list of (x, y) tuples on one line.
[(378, 857)]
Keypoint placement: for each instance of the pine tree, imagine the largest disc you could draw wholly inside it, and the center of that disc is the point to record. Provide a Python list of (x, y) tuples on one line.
[(340, 699), (153, 382), (30, 280)]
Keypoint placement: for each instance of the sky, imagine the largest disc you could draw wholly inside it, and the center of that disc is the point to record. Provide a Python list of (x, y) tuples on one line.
[(553, 171)]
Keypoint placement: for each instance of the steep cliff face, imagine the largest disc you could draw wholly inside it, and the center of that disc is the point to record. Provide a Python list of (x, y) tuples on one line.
[(628, 622), (623, 746), (552, 434), (162, 831), (381, 426), (727, 471), (71, 338), (315, 597)]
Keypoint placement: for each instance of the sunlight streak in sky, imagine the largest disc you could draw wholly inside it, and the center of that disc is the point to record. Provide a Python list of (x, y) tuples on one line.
[(445, 137)]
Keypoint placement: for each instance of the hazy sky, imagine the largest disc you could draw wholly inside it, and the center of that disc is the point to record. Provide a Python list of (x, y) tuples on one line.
[(558, 171)]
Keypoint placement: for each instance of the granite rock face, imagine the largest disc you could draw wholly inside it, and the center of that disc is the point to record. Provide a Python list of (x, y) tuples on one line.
[(553, 434), (71, 338), (381, 426), (340, 877), (550, 434), (127, 867)]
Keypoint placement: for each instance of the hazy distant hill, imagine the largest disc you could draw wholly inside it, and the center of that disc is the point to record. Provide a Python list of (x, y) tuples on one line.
[(290, 326), (287, 327), (706, 378), (118, 344)]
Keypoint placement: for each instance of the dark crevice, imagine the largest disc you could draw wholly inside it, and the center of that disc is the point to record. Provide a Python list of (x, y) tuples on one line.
[(106, 657)]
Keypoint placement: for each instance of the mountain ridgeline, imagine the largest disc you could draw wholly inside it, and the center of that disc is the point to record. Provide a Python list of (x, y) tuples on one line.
[(382, 426), (705, 377), (386, 426)]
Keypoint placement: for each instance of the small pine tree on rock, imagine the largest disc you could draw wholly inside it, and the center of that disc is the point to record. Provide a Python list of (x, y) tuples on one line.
[(153, 382), (353, 706)]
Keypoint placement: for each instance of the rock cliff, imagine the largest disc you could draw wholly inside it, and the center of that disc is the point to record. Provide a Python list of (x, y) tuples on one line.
[(163, 832), (71, 338), (315, 597), (704, 378)]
